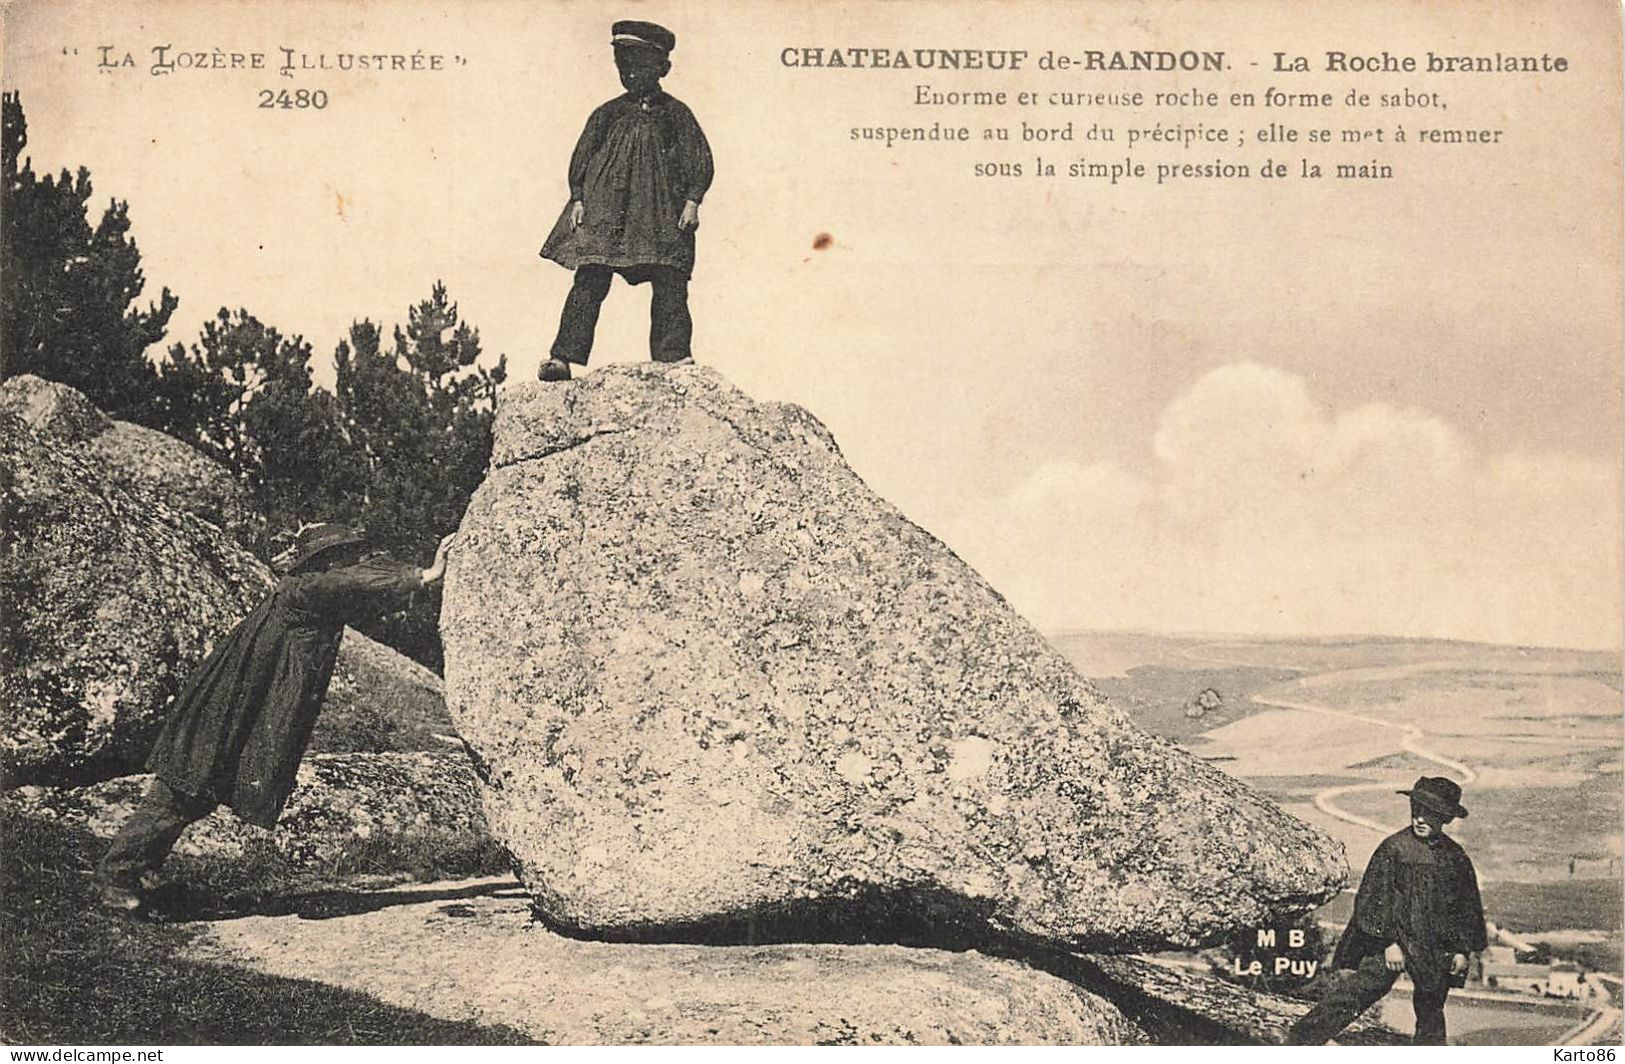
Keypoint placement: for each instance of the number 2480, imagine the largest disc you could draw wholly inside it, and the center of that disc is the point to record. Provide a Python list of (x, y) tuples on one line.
[(302, 100)]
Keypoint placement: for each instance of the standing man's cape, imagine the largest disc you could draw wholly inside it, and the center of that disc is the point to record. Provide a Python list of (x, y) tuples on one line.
[(1422, 894), (238, 730)]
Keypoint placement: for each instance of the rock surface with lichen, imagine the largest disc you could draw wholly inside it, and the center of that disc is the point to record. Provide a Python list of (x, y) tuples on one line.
[(714, 682), (118, 573), (478, 955), (140, 459)]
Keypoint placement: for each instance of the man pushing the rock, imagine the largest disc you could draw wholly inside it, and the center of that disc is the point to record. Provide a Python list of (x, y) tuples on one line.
[(240, 726)]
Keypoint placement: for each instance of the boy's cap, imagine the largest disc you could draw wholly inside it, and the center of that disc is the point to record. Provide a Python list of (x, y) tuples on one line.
[(643, 35), (1439, 794)]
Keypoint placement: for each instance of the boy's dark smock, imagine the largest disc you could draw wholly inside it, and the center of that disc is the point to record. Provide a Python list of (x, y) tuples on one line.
[(635, 165), (237, 732), (1422, 894)]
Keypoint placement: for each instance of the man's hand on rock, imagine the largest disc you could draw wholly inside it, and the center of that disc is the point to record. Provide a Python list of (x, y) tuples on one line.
[(438, 569), (1458, 964), (1394, 958)]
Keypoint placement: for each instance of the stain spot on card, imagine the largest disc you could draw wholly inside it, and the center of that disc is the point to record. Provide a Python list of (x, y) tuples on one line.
[(822, 241)]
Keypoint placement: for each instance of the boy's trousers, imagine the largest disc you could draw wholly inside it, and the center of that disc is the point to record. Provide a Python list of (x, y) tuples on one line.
[(671, 329)]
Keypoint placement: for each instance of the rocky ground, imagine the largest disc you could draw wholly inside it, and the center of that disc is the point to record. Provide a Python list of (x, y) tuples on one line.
[(472, 951)]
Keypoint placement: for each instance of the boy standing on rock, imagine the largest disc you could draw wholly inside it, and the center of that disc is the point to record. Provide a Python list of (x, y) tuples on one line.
[(637, 177), (1418, 911), (240, 727)]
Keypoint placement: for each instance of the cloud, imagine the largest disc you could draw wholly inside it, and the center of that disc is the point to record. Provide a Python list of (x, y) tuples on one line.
[(1264, 511)]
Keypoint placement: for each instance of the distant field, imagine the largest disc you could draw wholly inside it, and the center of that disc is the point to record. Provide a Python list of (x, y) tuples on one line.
[(1297, 784), (1156, 695), (1526, 833), (1101, 654), (1594, 903), (1537, 1033), (1543, 702), (1515, 826)]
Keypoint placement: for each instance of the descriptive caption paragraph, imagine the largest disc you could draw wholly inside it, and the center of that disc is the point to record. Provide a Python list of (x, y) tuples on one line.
[(1173, 117)]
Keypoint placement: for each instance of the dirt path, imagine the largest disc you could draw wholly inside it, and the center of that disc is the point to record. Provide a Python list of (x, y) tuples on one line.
[(1602, 1027), (1411, 737)]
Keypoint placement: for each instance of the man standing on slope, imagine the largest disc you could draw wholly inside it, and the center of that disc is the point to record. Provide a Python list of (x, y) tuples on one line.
[(1418, 911)]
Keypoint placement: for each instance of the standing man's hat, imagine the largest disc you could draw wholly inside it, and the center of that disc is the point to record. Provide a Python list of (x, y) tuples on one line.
[(643, 35), (311, 541), (1439, 794)]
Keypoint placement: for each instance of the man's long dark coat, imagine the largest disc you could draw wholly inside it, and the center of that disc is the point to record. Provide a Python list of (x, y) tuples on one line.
[(239, 728), (1422, 894)]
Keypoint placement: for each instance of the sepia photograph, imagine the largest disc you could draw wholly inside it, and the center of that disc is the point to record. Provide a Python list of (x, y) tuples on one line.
[(775, 523)]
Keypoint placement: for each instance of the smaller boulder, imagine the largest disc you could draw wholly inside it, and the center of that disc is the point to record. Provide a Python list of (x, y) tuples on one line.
[(149, 462), (53, 409), (349, 813), (119, 572), (145, 461), (380, 701)]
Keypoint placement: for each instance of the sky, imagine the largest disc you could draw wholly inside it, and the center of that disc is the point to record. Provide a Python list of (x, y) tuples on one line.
[(1285, 406)]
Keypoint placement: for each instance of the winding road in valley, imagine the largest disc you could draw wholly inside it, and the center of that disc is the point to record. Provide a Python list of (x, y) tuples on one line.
[(1411, 738)]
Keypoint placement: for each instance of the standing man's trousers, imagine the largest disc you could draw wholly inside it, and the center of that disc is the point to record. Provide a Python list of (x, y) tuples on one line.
[(671, 328), (1354, 992)]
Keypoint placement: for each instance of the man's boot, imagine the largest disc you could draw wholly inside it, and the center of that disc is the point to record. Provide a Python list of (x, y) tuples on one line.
[(119, 899)]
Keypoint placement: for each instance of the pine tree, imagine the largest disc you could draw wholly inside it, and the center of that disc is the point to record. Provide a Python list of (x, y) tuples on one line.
[(68, 289), (243, 395), (420, 416)]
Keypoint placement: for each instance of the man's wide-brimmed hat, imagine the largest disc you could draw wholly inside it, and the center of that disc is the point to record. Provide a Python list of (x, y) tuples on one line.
[(634, 34), (1439, 794), (312, 541)]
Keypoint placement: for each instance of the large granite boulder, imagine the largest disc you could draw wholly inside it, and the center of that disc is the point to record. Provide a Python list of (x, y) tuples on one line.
[(474, 953), (716, 686), (144, 460), (111, 597), (348, 813), (114, 590)]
